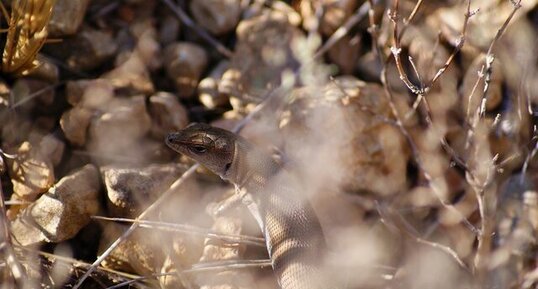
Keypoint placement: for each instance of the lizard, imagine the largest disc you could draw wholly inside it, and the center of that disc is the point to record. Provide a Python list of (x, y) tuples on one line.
[(293, 234)]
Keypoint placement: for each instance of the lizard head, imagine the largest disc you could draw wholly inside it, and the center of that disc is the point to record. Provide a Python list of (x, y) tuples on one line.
[(210, 146)]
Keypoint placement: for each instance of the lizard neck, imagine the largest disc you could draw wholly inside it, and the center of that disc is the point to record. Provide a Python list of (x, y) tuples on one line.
[(250, 168)]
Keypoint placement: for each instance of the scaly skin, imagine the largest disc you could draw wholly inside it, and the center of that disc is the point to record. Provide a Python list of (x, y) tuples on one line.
[(293, 234)]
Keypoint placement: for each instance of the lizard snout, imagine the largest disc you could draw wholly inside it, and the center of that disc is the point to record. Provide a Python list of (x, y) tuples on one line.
[(172, 139)]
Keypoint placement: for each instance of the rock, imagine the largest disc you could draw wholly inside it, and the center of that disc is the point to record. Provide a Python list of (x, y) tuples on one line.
[(131, 75), (59, 214), (167, 114), (139, 253), (52, 147), (147, 46), (336, 14), (369, 67), (208, 88), (74, 123), (169, 29), (220, 251), (74, 90), (31, 172), (217, 16), (67, 16), (117, 131), (131, 190), (27, 92), (86, 50), (262, 53), (185, 62), (371, 155), (345, 54), (91, 94), (46, 70)]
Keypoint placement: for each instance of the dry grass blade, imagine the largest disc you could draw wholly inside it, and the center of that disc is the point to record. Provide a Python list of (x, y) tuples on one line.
[(27, 33), (189, 229)]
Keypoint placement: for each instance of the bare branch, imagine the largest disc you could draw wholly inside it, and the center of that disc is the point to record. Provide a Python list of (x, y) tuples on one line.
[(396, 220)]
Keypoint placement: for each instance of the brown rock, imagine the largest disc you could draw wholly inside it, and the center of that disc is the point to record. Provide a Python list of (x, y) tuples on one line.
[(52, 147), (117, 132), (208, 88), (131, 75), (147, 46), (217, 16), (86, 50), (31, 172), (262, 53), (345, 54), (131, 190), (219, 251), (167, 114), (91, 94), (367, 154), (25, 90), (67, 16), (46, 70), (336, 14), (59, 214), (74, 123), (140, 253), (185, 62), (169, 30)]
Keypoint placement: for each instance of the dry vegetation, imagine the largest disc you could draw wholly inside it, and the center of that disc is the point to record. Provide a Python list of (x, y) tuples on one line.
[(413, 124)]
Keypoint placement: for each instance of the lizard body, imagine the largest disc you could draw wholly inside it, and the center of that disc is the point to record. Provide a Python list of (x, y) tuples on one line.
[(293, 234)]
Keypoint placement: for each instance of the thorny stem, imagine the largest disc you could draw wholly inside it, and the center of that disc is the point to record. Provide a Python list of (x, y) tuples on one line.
[(486, 213), (401, 127), (459, 44), (490, 57)]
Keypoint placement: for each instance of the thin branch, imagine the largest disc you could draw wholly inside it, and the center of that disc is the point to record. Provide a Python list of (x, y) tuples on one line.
[(413, 13), (490, 56), (459, 44), (393, 219)]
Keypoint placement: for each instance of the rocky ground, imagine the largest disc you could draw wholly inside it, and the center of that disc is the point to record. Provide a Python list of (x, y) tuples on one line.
[(412, 123)]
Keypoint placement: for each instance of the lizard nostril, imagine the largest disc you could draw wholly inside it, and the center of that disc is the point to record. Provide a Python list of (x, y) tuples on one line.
[(169, 138)]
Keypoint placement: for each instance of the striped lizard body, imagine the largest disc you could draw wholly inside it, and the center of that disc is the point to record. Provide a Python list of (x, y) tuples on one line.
[(293, 234)]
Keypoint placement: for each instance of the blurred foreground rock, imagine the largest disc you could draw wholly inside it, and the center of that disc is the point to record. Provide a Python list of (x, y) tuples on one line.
[(131, 190), (59, 214)]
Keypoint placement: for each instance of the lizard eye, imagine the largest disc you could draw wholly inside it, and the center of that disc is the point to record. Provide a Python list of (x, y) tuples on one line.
[(199, 149)]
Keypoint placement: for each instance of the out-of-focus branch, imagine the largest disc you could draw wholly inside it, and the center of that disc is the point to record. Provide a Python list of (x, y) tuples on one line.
[(399, 124), (395, 220)]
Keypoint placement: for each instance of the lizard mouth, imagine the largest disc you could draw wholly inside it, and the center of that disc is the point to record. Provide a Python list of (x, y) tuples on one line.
[(174, 141)]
